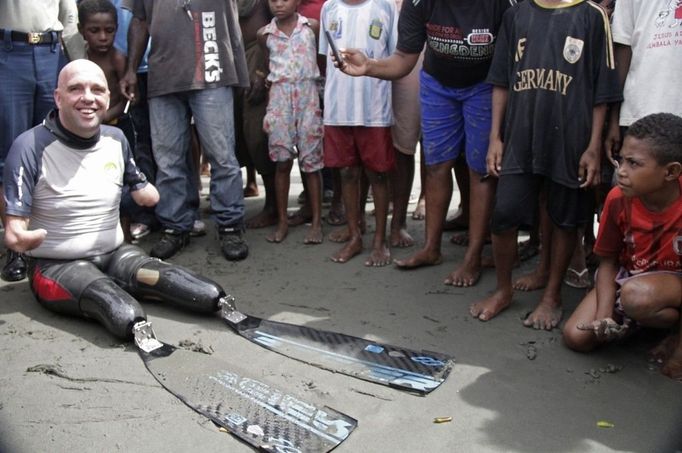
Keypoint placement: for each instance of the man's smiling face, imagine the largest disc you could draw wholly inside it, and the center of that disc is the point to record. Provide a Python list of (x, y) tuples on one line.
[(82, 97)]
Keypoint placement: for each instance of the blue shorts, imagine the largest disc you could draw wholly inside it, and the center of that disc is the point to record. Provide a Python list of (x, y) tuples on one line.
[(455, 119)]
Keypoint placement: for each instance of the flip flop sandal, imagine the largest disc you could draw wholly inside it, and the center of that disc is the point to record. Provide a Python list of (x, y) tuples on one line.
[(335, 219), (460, 239), (528, 250), (576, 279)]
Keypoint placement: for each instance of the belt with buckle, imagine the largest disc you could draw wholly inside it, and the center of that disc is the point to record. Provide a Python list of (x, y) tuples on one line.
[(33, 38)]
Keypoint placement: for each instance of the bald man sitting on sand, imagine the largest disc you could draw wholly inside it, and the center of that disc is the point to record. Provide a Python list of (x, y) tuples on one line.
[(63, 184)]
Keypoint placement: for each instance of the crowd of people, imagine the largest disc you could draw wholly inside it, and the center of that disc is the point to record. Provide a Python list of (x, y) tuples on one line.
[(540, 107)]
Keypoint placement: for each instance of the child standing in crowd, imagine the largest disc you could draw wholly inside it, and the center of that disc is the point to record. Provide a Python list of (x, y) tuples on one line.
[(293, 120), (639, 281), (554, 73), (455, 108), (98, 22), (358, 116)]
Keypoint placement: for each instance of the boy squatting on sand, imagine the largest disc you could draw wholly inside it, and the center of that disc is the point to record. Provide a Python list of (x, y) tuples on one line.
[(639, 280)]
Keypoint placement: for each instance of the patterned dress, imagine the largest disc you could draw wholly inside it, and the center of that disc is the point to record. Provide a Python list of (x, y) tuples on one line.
[(293, 120)]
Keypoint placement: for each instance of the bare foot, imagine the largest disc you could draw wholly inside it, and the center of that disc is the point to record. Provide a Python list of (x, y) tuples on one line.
[(461, 239), (419, 259), (672, 367), (263, 219), (314, 235), (401, 238), (336, 216), (353, 247), (279, 234), (665, 348), (486, 309), (531, 282), (340, 235), (251, 190), (380, 256), (465, 275), (420, 210), (487, 262), (546, 315), (300, 217)]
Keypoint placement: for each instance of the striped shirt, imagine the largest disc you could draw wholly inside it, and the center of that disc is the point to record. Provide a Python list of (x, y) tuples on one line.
[(372, 27)]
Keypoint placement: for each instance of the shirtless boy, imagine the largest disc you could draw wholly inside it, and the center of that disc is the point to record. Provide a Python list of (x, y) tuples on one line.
[(97, 22)]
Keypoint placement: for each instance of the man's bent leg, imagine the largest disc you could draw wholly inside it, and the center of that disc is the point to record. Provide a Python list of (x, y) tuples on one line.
[(79, 288)]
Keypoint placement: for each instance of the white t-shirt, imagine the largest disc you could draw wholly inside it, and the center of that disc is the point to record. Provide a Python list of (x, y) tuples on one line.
[(653, 29), (371, 26)]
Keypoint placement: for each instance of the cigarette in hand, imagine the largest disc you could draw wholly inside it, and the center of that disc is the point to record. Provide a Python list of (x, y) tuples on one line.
[(126, 108)]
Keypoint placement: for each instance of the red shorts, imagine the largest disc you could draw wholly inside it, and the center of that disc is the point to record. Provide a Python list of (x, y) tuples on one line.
[(351, 146)]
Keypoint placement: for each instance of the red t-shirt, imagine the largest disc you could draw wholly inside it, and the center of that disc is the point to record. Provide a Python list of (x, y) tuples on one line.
[(643, 240), (311, 8)]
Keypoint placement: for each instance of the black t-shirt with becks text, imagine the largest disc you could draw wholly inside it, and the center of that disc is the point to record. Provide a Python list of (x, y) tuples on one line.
[(557, 64), (459, 35)]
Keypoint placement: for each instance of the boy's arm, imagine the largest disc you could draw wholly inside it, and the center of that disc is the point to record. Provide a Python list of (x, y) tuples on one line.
[(258, 90), (119, 66), (356, 63), (590, 161), (613, 141), (496, 145), (605, 286)]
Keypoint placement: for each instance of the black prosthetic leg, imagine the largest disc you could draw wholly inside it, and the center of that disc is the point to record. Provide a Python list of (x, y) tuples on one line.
[(115, 309), (150, 278)]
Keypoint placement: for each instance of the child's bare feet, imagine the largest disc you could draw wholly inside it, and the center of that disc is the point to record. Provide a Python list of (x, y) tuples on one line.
[(487, 262), (420, 210), (340, 235), (279, 234), (314, 235), (665, 348), (401, 238), (546, 315), (300, 217), (467, 274), (353, 247), (672, 367), (336, 215), (531, 282), (490, 307), (421, 258), (251, 190), (265, 218), (380, 256)]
